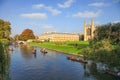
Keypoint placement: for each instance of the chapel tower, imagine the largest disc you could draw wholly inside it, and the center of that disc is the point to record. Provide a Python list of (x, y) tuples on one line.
[(89, 30)]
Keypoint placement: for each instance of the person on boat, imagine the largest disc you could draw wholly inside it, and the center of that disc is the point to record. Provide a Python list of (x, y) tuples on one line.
[(10, 49), (34, 51), (44, 50)]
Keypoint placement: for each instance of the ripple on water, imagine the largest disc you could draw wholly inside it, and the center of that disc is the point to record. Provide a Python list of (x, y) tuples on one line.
[(50, 66)]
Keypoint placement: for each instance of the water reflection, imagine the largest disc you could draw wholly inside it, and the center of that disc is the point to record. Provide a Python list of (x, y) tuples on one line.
[(26, 51), (97, 71), (52, 66), (86, 72), (35, 55)]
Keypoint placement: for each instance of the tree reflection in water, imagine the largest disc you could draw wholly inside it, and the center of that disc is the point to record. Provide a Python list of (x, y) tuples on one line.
[(97, 70), (26, 51), (4, 63)]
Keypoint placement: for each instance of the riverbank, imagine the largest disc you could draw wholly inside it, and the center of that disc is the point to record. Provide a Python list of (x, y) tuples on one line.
[(73, 48), (3, 45)]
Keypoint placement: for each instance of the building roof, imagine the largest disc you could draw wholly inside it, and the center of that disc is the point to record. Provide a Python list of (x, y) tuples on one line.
[(48, 33)]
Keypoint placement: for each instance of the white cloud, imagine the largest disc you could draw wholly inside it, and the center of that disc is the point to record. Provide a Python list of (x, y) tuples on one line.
[(48, 8), (35, 15), (117, 21), (53, 11), (87, 14), (97, 4), (66, 4), (38, 6), (43, 27), (48, 27)]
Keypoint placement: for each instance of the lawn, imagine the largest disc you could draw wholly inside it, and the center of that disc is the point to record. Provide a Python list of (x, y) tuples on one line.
[(66, 47)]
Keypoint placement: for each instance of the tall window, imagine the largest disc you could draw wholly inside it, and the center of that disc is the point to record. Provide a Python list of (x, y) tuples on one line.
[(88, 31)]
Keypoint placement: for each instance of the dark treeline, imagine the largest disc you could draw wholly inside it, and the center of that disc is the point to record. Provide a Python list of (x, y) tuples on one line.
[(105, 47)]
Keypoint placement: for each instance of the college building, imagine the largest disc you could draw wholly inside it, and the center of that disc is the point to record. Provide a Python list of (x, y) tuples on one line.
[(89, 30), (58, 37)]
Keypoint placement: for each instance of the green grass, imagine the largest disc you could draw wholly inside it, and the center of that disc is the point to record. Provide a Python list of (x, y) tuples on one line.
[(66, 47), (4, 42), (77, 44)]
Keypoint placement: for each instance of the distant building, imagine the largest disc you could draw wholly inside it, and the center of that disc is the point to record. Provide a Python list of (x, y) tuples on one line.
[(57, 37), (89, 30)]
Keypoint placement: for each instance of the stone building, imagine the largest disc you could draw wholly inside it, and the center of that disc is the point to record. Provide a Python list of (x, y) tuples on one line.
[(58, 37), (89, 30)]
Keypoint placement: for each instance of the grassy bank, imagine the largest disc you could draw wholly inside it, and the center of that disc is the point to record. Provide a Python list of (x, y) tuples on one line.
[(3, 44), (4, 41), (73, 48)]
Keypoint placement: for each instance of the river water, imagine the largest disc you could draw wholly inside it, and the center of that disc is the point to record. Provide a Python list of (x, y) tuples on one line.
[(24, 65)]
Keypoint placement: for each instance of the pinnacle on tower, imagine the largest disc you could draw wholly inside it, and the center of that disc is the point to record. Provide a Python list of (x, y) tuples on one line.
[(92, 22), (84, 23)]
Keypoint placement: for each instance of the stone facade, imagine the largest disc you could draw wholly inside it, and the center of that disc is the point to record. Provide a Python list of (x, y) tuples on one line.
[(89, 30), (58, 37)]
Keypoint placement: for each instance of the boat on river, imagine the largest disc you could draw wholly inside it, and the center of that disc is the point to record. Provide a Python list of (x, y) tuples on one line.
[(43, 50), (34, 51), (76, 59), (10, 49)]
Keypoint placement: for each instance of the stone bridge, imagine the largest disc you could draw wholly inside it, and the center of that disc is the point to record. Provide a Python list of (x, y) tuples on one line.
[(21, 42)]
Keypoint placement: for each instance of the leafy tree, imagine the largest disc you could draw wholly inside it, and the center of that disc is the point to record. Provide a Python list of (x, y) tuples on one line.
[(16, 37), (27, 34), (5, 29), (109, 31), (105, 47)]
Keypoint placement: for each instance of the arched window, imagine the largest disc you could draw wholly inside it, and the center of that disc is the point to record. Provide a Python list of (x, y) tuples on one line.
[(88, 31)]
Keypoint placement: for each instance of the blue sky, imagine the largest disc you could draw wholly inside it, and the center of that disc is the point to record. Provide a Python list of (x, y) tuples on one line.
[(57, 15)]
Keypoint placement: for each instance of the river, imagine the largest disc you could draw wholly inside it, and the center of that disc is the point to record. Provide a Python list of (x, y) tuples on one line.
[(24, 65)]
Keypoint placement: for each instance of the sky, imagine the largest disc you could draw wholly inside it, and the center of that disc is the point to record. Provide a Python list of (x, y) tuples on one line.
[(57, 15)]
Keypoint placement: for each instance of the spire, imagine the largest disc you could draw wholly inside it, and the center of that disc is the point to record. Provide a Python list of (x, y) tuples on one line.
[(84, 30), (92, 28), (84, 23), (92, 22)]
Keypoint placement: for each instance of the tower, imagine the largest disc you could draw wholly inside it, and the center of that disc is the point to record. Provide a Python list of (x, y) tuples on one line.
[(92, 28), (89, 30), (84, 30)]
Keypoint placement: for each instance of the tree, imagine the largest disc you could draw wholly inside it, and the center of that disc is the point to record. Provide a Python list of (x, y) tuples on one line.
[(4, 62), (5, 29), (108, 31), (27, 34), (105, 47), (16, 37)]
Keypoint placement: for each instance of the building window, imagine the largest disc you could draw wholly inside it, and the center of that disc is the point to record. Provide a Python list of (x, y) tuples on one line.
[(88, 31)]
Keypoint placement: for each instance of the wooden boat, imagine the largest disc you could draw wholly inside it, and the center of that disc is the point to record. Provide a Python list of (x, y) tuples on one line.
[(43, 51), (34, 51), (10, 49), (76, 59)]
